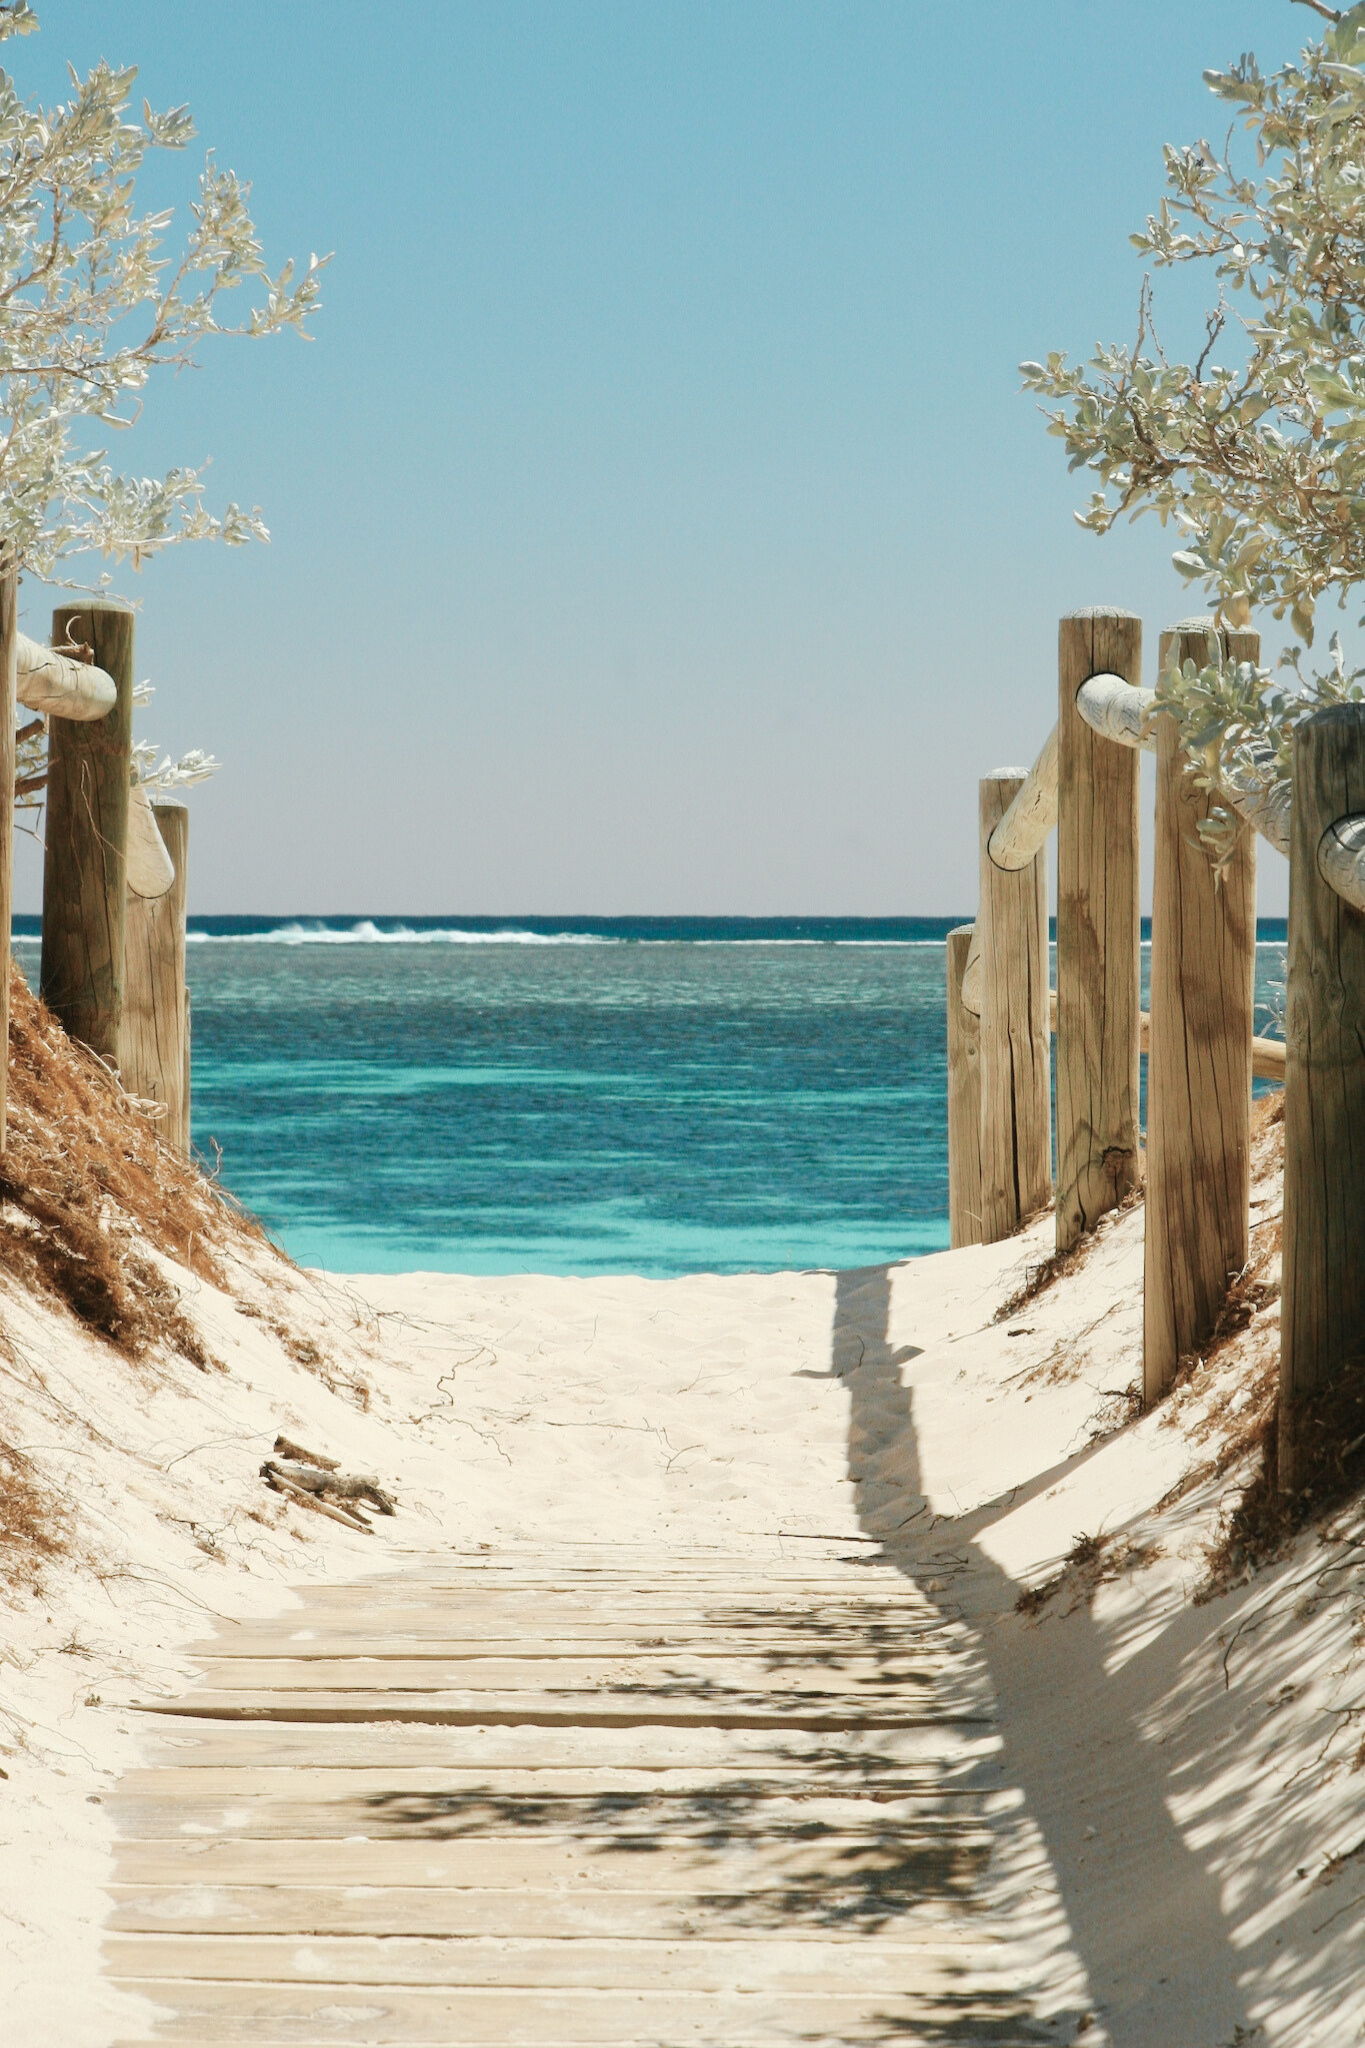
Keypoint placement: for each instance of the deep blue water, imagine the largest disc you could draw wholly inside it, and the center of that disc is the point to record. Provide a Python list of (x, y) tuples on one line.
[(578, 1095)]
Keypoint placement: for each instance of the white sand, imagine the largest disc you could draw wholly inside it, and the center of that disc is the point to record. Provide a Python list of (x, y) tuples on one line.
[(1182, 1834)]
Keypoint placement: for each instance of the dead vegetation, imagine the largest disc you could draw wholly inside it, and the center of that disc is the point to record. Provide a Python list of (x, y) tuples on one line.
[(1058, 1265), (1092, 1561), (87, 1188), (32, 1525), (312, 1480)]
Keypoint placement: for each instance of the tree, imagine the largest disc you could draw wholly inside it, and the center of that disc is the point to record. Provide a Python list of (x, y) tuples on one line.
[(1256, 451), (90, 307)]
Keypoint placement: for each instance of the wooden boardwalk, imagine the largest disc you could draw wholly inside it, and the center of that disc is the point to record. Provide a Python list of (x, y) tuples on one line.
[(666, 1798)]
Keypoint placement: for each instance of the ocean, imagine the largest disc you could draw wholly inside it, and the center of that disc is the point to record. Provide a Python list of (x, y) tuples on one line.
[(579, 1095)]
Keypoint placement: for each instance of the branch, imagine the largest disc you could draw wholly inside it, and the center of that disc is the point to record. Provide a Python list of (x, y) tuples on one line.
[(1327, 13)]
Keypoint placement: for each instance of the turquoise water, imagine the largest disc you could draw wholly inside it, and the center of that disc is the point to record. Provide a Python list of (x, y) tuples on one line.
[(577, 1096)]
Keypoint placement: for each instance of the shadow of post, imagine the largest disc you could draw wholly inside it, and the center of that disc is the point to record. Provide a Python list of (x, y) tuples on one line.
[(1144, 1913)]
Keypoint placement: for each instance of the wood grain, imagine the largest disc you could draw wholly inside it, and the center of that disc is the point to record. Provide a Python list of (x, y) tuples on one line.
[(1322, 1314), (1098, 933), (964, 1100), (85, 863), (1199, 1059), (1016, 1048), (152, 1031), (545, 1871)]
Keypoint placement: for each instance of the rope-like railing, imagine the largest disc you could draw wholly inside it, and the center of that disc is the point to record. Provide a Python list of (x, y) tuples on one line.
[(59, 685)]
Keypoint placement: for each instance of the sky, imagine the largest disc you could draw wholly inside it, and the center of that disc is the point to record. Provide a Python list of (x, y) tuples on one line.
[(657, 522)]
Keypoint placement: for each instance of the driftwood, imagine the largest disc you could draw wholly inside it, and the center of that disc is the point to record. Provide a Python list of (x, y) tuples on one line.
[(297, 1455), (320, 1481), (282, 1482)]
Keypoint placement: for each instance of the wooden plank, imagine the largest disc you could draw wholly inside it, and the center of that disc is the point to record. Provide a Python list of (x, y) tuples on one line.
[(918, 1891), (504, 1862), (285, 2016), (1322, 1312), (435, 1644), (396, 1746), (1203, 974), (1098, 933), (152, 1034), (773, 1774), (532, 1709), (964, 1100), (1016, 1050), (598, 1817), (743, 1964), (86, 837), (661, 1673)]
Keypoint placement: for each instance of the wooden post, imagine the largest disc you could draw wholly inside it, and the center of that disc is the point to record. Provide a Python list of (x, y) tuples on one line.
[(1199, 1058), (9, 639), (1098, 933), (1322, 1313), (85, 868), (152, 1035), (964, 1101), (1016, 1048), (185, 1098)]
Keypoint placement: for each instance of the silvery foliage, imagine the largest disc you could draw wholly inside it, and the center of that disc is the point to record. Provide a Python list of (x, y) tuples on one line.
[(89, 307), (1260, 464), (1237, 727), (154, 775)]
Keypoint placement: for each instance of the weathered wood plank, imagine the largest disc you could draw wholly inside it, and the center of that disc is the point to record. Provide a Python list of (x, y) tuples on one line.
[(1203, 974), (282, 2016), (152, 1033), (86, 839), (964, 1100), (530, 1709), (1322, 1313), (1098, 933), (499, 1863), (1016, 1049), (397, 1746), (791, 1676), (920, 1892)]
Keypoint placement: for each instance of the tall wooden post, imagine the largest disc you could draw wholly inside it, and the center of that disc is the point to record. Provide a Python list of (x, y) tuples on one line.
[(1322, 1312), (186, 1100), (964, 1101), (152, 1056), (1199, 1050), (1098, 933), (1016, 1047), (9, 632), (85, 868)]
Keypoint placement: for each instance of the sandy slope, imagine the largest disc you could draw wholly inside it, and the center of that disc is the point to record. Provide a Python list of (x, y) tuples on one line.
[(1182, 1835)]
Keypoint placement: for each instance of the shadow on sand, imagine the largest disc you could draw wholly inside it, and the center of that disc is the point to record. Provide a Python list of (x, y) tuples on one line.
[(1144, 1914)]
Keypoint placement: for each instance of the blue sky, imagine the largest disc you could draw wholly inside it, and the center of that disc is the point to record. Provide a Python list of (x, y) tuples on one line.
[(658, 525)]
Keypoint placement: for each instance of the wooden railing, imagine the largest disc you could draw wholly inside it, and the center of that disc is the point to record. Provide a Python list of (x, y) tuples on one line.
[(113, 942), (1199, 1039)]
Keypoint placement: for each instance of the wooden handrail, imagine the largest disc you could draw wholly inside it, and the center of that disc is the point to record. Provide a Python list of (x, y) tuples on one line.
[(1341, 860), (1267, 1054), (58, 685)]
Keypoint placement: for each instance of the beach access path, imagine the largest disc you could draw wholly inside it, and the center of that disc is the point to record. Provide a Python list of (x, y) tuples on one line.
[(576, 1795), (730, 1673)]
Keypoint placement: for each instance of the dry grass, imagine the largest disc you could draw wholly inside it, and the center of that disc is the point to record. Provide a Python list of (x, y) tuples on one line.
[(1092, 1561), (86, 1186), (32, 1527)]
